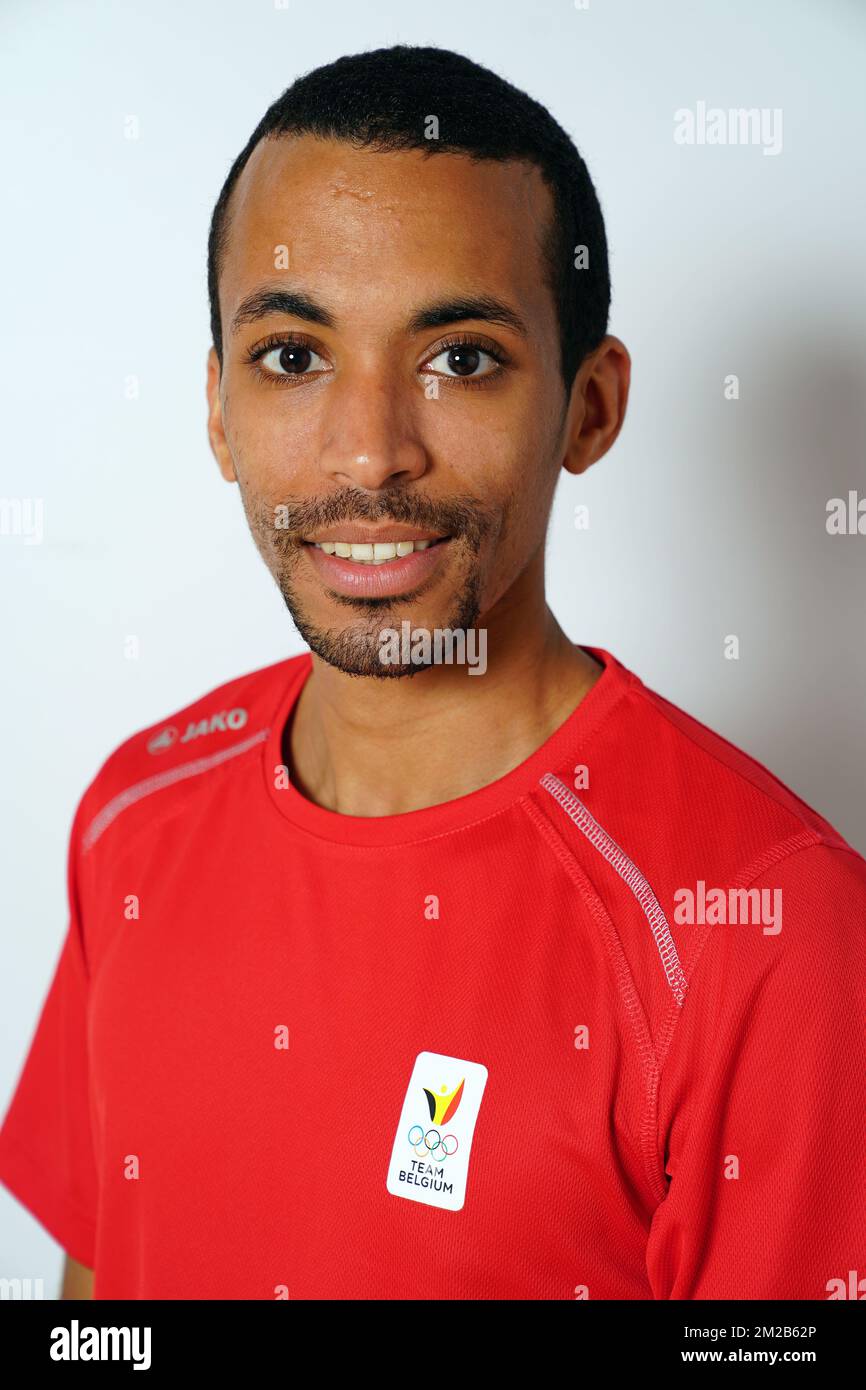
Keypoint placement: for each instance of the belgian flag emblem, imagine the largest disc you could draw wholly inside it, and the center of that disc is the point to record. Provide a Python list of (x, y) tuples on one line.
[(443, 1105)]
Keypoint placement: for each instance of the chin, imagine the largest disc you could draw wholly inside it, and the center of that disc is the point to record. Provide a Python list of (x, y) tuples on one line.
[(388, 639)]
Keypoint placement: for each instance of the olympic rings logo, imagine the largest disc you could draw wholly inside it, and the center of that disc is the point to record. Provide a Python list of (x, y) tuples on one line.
[(442, 1147)]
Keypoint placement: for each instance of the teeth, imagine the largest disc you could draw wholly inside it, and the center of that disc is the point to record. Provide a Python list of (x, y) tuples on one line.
[(374, 554)]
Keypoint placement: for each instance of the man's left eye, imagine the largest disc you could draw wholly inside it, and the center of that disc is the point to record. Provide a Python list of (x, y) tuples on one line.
[(463, 361)]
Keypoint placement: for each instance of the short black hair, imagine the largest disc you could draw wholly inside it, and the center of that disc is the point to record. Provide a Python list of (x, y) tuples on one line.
[(383, 100)]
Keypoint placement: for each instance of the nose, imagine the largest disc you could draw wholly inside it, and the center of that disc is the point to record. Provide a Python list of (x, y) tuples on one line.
[(371, 434)]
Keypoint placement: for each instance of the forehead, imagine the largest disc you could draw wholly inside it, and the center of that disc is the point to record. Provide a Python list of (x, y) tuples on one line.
[(360, 225)]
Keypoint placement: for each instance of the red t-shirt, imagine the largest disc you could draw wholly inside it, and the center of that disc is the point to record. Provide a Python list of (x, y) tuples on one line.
[(539, 1042)]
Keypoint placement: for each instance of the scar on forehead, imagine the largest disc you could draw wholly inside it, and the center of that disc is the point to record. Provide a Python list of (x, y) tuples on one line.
[(361, 195), (340, 189)]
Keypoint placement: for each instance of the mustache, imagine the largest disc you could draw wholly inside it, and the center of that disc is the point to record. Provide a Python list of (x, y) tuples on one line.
[(461, 517)]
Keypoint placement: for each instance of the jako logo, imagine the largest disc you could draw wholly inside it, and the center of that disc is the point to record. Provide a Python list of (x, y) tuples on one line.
[(217, 723), (432, 1144), (163, 740)]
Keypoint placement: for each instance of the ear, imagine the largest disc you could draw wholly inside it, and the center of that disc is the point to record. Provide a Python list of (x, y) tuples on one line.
[(597, 404), (215, 430)]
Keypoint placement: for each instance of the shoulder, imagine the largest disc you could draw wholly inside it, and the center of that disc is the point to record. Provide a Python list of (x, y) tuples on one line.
[(674, 824), (677, 793), (216, 728)]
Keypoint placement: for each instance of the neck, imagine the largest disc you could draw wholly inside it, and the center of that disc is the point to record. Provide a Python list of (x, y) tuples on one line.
[(374, 747)]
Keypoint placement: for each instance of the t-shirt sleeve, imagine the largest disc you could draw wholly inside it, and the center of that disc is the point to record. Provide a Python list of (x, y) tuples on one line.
[(46, 1146), (761, 1099)]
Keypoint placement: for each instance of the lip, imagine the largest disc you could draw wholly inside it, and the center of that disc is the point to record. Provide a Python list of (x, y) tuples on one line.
[(356, 534), (398, 576)]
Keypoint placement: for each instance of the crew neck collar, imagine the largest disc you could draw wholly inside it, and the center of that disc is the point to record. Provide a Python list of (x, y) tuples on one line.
[(413, 826)]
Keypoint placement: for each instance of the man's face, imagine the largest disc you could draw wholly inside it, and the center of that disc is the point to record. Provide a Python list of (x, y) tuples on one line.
[(416, 411)]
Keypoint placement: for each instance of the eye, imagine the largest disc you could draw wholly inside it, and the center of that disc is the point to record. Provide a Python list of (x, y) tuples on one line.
[(285, 360), (289, 359), (464, 359)]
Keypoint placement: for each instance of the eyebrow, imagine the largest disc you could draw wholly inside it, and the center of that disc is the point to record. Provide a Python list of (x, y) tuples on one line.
[(261, 303), (297, 304), (483, 306)]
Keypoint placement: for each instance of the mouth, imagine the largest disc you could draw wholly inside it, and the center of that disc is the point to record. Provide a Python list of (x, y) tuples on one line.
[(395, 562), (375, 552)]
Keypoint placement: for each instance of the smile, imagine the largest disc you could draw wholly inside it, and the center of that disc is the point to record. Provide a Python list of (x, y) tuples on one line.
[(376, 569), (376, 553)]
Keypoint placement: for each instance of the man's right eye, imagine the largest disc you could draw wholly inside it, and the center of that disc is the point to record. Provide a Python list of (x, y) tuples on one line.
[(290, 359)]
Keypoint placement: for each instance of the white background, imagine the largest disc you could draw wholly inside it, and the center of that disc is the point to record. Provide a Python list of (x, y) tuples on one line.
[(708, 517)]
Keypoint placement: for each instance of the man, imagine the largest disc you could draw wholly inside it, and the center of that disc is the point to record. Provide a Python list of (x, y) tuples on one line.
[(400, 970)]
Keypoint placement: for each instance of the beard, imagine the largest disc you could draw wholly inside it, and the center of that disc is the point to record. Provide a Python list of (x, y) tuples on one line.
[(355, 648)]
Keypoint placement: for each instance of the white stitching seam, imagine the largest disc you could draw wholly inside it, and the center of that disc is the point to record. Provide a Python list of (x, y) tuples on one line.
[(630, 874), (130, 795)]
